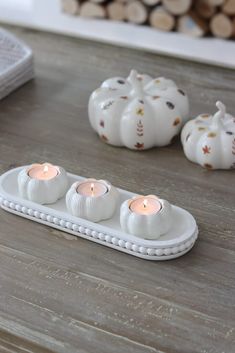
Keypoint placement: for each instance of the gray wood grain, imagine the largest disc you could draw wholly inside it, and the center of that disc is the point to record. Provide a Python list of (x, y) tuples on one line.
[(59, 293)]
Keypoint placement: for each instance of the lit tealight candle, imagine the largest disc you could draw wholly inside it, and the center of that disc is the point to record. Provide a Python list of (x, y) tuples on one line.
[(145, 205), (92, 199), (146, 216), (44, 171), (92, 188), (42, 183)]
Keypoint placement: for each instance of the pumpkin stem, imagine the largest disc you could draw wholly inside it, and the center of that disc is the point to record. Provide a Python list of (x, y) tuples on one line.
[(136, 83), (220, 114)]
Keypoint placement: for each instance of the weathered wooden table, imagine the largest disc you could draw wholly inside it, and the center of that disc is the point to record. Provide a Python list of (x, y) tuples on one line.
[(59, 293)]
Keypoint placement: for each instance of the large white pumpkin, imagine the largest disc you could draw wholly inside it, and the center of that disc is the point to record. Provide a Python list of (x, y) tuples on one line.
[(138, 112), (209, 140)]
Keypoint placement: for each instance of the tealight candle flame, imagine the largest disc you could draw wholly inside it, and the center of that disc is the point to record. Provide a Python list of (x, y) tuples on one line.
[(93, 188), (45, 169), (145, 205), (145, 202)]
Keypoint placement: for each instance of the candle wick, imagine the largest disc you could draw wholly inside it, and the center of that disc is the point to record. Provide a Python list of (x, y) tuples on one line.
[(145, 203), (45, 169), (92, 189)]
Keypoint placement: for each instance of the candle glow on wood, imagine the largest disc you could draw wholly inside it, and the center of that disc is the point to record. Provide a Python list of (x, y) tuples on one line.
[(43, 171), (145, 205), (93, 189)]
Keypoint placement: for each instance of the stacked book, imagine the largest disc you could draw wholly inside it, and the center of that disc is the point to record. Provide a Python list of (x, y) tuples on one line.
[(16, 63)]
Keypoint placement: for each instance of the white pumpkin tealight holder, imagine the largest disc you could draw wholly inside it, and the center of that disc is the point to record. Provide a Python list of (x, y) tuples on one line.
[(92, 199), (146, 216), (209, 140), (42, 183), (139, 112)]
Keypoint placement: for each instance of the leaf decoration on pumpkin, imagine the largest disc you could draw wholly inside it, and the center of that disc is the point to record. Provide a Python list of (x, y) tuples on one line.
[(176, 121), (170, 105), (208, 166), (233, 147), (139, 145), (187, 137), (104, 138), (212, 134), (107, 105), (140, 111), (181, 92), (140, 128), (206, 149)]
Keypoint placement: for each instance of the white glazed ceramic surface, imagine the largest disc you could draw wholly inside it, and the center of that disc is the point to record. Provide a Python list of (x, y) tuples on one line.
[(138, 112), (209, 140), (153, 225), (42, 191), (176, 242), (92, 208)]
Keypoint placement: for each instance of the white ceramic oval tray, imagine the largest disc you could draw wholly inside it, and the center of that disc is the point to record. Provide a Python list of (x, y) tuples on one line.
[(179, 240)]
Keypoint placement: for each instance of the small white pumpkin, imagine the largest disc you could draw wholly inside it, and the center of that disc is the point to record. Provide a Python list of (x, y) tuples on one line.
[(210, 140), (138, 112), (92, 208), (42, 191), (150, 226)]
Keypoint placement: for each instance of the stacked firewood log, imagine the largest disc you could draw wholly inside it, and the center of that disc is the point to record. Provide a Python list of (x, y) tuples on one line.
[(194, 17)]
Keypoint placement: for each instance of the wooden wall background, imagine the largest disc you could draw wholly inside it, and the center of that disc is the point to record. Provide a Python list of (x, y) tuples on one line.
[(194, 17)]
